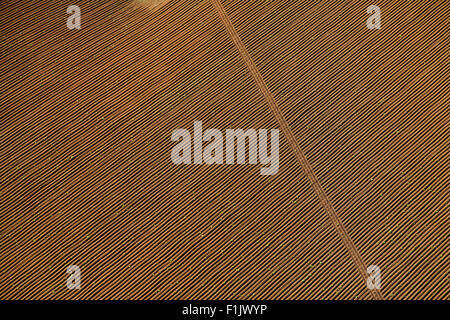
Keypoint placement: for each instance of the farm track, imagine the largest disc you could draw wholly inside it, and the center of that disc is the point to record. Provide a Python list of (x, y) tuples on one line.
[(86, 176), (300, 156)]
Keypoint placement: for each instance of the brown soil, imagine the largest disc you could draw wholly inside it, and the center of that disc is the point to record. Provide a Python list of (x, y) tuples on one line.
[(149, 4), (86, 176)]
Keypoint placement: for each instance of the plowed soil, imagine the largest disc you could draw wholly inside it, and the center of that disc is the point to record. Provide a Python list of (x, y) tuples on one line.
[(86, 176)]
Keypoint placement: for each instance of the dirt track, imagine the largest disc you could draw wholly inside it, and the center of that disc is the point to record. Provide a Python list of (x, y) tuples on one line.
[(86, 175)]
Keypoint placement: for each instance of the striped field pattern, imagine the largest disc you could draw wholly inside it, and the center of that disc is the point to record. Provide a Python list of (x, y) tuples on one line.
[(86, 176)]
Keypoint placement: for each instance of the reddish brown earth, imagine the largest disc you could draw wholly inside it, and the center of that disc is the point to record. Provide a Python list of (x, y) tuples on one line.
[(86, 176)]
